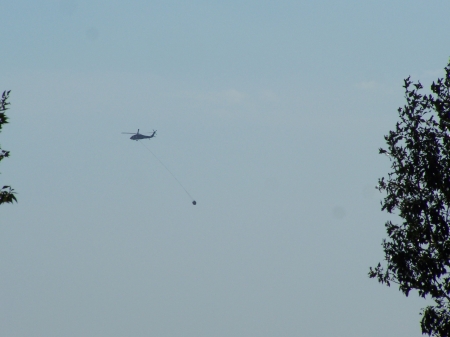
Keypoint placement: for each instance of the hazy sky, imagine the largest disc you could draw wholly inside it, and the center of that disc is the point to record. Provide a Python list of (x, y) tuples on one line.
[(270, 113)]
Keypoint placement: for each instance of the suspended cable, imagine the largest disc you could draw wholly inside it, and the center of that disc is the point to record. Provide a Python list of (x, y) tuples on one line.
[(148, 149)]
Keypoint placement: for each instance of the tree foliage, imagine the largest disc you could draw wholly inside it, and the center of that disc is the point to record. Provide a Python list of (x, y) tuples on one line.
[(6, 192), (417, 250)]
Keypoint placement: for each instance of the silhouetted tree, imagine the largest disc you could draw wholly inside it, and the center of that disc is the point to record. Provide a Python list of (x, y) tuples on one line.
[(6, 192), (417, 250)]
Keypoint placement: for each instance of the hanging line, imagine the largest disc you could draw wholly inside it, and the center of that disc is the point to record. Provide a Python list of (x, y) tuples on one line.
[(148, 149)]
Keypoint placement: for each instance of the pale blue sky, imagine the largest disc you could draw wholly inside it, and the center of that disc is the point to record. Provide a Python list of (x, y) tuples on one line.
[(270, 113)]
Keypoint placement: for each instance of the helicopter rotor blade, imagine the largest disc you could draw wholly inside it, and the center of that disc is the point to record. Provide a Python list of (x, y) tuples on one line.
[(128, 133)]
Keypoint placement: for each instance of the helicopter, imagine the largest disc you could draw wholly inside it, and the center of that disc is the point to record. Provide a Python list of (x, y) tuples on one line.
[(137, 136)]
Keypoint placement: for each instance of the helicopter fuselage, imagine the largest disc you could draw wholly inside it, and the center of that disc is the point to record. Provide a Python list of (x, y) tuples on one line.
[(139, 136)]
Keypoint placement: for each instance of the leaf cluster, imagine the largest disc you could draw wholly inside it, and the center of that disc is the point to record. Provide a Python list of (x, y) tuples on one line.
[(6, 192), (417, 251)]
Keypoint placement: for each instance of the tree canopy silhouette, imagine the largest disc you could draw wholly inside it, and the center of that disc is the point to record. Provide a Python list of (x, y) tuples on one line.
[(6, 192), (417, 250)]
